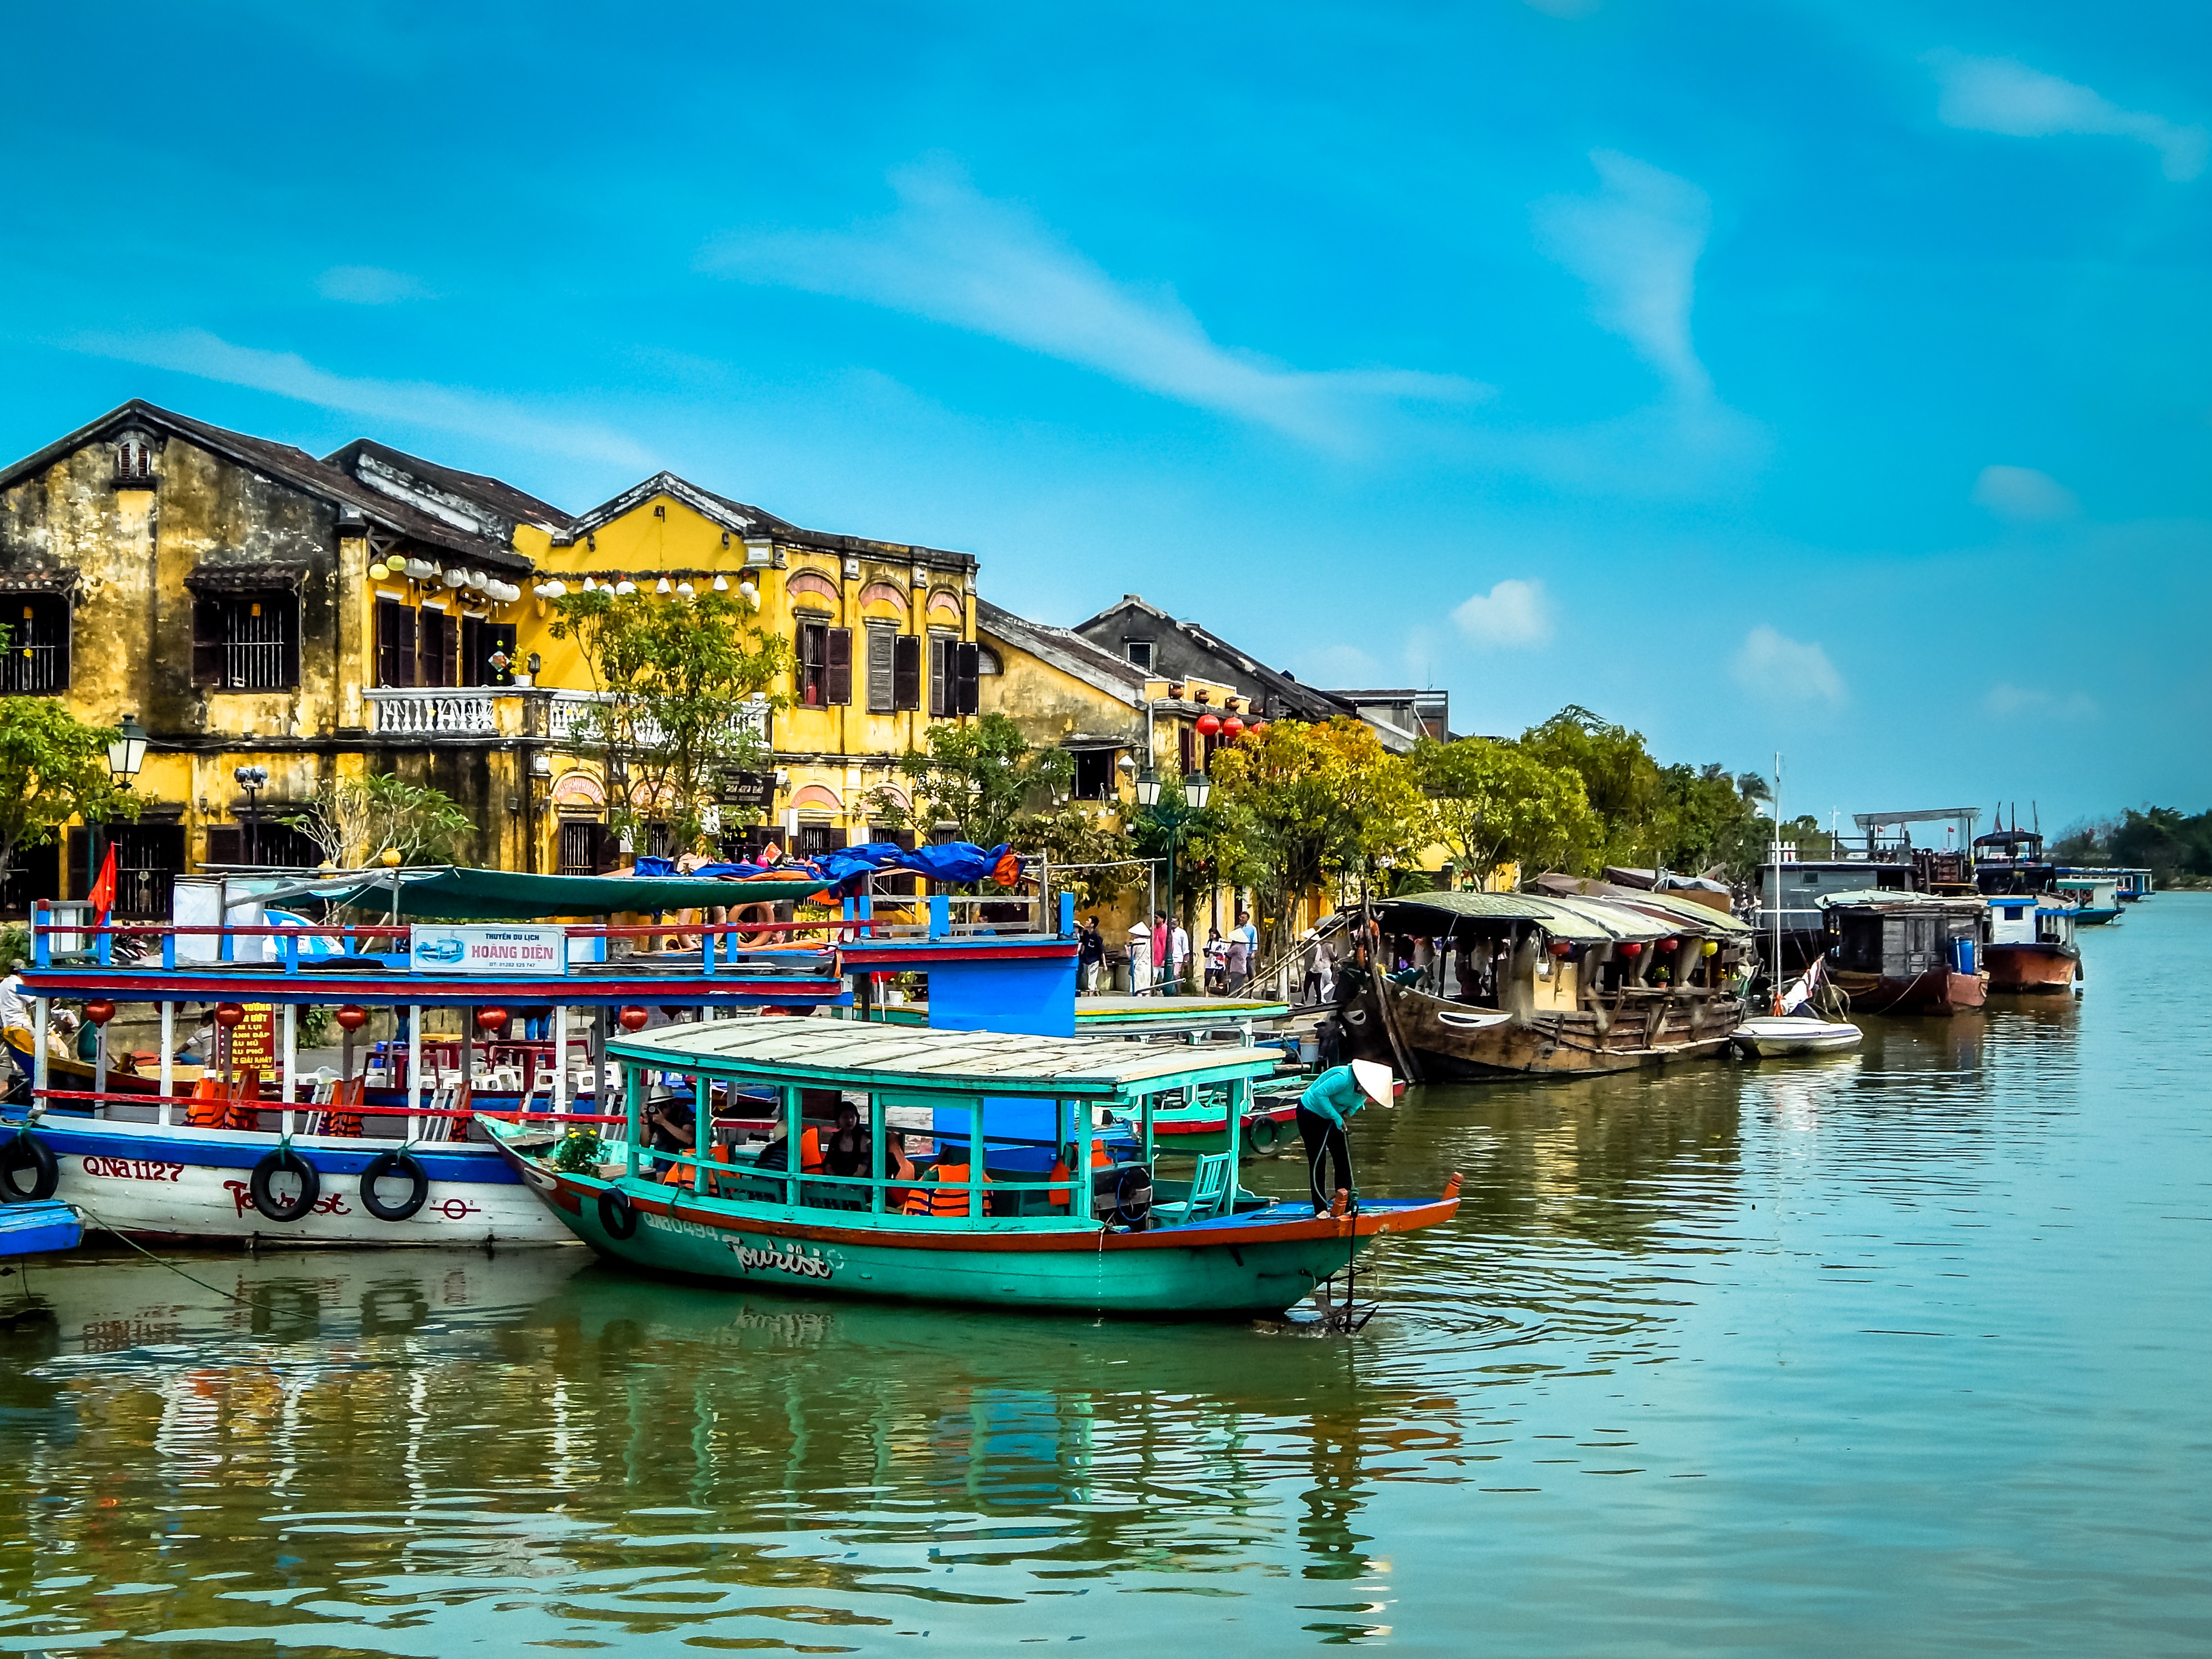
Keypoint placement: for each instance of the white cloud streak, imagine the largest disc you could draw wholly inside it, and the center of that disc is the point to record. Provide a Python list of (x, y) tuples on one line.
[(1513, 613), (1785, 671), (414, 402), (2000, 94), (1636, 244), (952, 255), (2020, 494), (2006, 701), (368, 285)]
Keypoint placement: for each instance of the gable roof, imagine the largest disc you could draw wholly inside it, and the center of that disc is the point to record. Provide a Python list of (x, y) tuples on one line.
[(1066, 650), (283, 464), (751, 523), (448, 490), (1308, 702)]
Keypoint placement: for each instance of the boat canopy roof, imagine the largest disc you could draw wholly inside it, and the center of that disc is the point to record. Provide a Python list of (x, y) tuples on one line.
[(861, 1053), (1583, 921), (1898, 898), (452, 893), (1668, 904)]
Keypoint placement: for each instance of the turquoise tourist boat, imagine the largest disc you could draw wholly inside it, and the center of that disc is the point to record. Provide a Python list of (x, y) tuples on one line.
[(1108, 1237)]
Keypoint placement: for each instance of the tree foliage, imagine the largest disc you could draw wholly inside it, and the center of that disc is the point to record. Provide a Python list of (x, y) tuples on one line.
[(2172, 845), (981, 777), (53, 767), (352, 821), (673, 676), (1647, 816), (1080, 834), (1494, 803)]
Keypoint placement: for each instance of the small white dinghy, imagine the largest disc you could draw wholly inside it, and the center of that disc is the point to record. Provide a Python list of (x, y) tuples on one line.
[(1793, 1028), (1773, 1035)]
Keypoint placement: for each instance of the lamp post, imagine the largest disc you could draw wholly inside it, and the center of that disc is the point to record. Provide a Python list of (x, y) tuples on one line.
[(1172, 818), (252, 780), (126, 753)]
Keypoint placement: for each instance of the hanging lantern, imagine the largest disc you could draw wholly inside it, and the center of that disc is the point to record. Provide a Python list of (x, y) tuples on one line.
[(1560, 948), (227, 1014), (1710, 948), (1232, 728), (748, 592), (1631, 950), (379, 571), (662, 587), (1208, 725), (490, 1019), (683, 590), (1668, 944), (1258, 729), (590, 585), (99, 1010), (624, 589), (633, 1018), (351, 1018)]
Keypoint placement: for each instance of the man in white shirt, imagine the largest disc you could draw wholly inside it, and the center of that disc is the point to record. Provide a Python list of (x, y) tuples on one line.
[(1178, 956)]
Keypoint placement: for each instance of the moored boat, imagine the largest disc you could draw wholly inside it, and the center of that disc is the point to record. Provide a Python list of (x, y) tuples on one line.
[(986, 1211), (1767, 1037), (2096, 898), (38, 1228), (1908, 953), (2031, 948), (1548, 985)]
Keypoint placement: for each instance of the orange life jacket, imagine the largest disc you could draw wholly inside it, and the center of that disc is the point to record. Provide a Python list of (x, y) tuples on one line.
[(338, 1122), (950, 1199), (206, 1107), (810, 1152), (1059, 1172)]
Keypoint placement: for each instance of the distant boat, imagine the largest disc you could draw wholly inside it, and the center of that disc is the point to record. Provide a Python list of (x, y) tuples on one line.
[(2096, 898), (1908, 953), (2031, 947), (38, 1227)]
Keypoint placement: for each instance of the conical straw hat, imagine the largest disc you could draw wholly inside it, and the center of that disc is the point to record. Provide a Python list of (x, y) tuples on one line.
[(1373, 1078)]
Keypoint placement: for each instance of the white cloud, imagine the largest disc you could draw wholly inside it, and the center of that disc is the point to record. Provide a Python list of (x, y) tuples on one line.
[(416, 402), (2006, 701), (1340, 664), (2023, 495), (1785, 671), (1999, 94), (955, 256), (1636, 244), (1513, 613), (368, 285)]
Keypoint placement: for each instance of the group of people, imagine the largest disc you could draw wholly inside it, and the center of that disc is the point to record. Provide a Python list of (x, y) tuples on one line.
[(1163, 948)]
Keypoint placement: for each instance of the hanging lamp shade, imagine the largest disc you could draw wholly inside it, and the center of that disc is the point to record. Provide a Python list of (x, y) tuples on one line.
[(721, 584), (662, 587)]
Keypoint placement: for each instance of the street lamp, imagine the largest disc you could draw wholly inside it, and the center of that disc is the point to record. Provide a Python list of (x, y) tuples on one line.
[(1170, 819), (252, 779)]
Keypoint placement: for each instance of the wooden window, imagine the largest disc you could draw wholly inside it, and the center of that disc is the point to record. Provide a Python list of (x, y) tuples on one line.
[(881, 700), (36, 659), (811, 685), (944, 676), (815, 840), (395, 643), (480, 642), (1186, 749), (438, 647), (148, 858), (837, 666), (1140, 653), (905, 885), (1094, 774), (967, 680), (906, 671), (246, 641), (583, 847), (224, 845), (35, 873)]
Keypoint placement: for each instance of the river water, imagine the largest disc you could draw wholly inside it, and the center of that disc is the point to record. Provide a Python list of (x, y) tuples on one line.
[(1903, 1352)]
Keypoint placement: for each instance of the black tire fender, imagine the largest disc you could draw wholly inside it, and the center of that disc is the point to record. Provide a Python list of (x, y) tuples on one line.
[(283, 1158), (1133, 1195), (25, 1151), (383, 1167), (1264, 1135), (617, 1213)]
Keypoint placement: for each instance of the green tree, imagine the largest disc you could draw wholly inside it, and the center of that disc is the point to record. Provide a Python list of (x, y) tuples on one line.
[(1494, 803), (53, 767), (981, 777), (1709, 821), (1079, 835), (1619, 778), (673, 676), (352, 821)]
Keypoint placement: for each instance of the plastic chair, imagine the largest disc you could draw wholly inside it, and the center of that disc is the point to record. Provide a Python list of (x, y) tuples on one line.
[(1210, 1195)]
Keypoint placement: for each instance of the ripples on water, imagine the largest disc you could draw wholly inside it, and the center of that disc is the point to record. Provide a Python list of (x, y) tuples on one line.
[(1902, 1352)]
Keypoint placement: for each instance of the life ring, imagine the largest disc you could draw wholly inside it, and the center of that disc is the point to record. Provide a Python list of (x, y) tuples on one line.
[(754, 914), (1263, 1136), (617, 1213), (383, 1167), (311, 1185), (27, 1151)]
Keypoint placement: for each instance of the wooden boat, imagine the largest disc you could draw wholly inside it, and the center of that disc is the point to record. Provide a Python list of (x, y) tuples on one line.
[(1578, 986), (1908, 953), (1769, 1037), (2031, 949), (38, 1228), (1111, 1238), (2096, 899)]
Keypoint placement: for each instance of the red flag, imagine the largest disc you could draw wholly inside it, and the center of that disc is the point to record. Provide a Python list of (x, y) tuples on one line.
[(103, 891)]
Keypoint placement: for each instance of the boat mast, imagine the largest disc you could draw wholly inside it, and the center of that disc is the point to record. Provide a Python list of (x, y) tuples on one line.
[(1778, 881)]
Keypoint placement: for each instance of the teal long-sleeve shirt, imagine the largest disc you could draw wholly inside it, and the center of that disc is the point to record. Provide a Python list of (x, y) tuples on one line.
[(1334, 1095)]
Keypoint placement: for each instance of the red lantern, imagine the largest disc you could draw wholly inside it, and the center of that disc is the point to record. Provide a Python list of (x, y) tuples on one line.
[(633, 1018), (1668, 944), (1232, 728), (1257, 728), (99, 1010), (227, 1014), (1208, 725), (490, 1019), (352, 1018), (1561, 947), (1631, 950)]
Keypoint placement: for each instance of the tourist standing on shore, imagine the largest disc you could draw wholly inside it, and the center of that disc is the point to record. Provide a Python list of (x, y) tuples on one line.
[(1243, 951), (1178, 954), (1160, 947), (1089, 952)]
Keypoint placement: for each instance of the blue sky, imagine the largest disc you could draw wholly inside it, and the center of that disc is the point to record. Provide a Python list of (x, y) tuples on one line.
[(1824, 378)]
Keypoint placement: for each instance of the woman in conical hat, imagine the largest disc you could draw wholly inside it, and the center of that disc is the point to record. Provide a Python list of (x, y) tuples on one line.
[(1324, 1111)]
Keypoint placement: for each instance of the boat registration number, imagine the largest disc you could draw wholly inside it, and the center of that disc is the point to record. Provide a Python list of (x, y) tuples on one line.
[(133, 1169)]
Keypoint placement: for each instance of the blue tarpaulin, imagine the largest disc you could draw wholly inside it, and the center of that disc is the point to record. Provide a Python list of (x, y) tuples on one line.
[(956, 861)]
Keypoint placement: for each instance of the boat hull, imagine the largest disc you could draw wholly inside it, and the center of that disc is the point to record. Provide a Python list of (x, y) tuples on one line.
[(1938, 991), (1242, 1265), (1782, 1036), (1451, 1041), (177, 1184), (2099, 917), (2050, 970), (38, 1228)]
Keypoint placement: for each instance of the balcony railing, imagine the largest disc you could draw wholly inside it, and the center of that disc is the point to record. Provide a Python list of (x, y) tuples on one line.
[(555, 716)]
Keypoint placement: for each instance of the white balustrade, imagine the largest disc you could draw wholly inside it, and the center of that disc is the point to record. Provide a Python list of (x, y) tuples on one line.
[(434, 712)]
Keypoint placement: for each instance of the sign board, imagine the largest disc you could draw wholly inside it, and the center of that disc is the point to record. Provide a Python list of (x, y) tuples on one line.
[(749, 791), (492, 948), (253, 1041)]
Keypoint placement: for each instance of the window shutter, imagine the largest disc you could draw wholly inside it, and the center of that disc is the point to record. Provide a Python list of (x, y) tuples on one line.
[(969, 659), (207, 641), (1183, 749), (225, 844), (906, 671), (80, 862), (880, 701), (940, 678), (287, 619), (837, 644)]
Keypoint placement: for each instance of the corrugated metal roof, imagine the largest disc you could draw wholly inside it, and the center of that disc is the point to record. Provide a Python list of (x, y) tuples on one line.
[(868, 1055), (1584, 921)]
